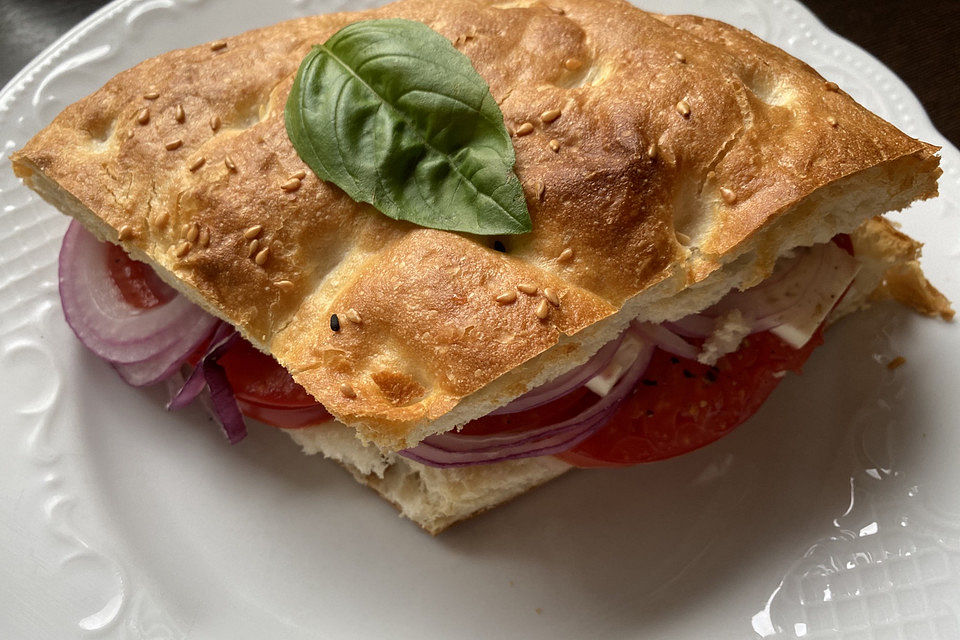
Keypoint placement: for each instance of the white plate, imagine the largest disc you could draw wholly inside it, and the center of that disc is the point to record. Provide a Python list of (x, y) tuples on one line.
[(834, 513)]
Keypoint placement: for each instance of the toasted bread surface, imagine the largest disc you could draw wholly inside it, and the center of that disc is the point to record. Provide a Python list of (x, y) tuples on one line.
[(690, 155), (438, 498)]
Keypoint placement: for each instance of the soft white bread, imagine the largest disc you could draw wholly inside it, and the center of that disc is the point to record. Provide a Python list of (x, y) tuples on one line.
[(437, 498), (691, 155), (433, 498)]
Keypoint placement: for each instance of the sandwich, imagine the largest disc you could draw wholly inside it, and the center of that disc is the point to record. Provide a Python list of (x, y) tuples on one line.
[(463, 247)]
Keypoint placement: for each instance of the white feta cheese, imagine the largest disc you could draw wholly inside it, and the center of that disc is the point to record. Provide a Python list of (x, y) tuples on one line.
[(731, 329)]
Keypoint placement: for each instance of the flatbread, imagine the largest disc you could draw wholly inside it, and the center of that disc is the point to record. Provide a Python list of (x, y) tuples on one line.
[(688, 156)]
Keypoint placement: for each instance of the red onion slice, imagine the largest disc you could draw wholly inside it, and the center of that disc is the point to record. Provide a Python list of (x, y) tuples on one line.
[(804, 287), (566, 383), (232, 423), (792, 278), (188, 390), (208, 374), (223, 338), (797, 281), (665, 339), (162, 365), (224, 403), (457, 450), (102, 319), (694, 325)]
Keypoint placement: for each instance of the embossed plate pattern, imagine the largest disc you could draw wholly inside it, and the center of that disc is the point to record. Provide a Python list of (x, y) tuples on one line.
[(834, 513)]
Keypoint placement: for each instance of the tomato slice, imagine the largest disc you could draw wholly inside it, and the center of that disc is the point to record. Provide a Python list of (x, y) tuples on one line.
[(139, 285), (681, 405), (265, 391)]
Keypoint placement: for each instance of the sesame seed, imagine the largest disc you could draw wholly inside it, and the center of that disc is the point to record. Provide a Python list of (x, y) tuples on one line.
[(199, 162), (507, 297), (219, 44), (184, 229), (572, 64), (728, 195), (299, 175), (291, 185), (566, 255), (193, 234), (228, 161), (831, 86), (653, 151), (556, 10), (683, 108), (262, 257), (550, 115), (253, 231), (204, 238), (174, 144), (252, 248), (153, 94), (832, 121), (554, 145), (125, 232), (524, 129), (334, 323), (214, 122), (551, 296), (354, 316), (161, 219), (499, 246), (183, 249), (541, 190), (543, 310), (143, 116), (682, 59), (527, 288), (179, 114), (683, 238), (283, 285), (347, 389)]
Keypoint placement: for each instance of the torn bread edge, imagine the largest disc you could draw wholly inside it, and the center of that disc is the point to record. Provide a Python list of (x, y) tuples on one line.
[(438, 498)]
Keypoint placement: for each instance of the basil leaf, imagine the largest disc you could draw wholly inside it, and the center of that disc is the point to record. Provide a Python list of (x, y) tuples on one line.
[(394, 115)]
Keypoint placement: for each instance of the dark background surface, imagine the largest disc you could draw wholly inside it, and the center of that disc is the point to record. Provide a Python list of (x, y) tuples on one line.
[(918, 39)]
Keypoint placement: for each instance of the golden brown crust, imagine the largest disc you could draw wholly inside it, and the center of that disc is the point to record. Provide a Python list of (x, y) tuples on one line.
[(670, 127), (903, 280)]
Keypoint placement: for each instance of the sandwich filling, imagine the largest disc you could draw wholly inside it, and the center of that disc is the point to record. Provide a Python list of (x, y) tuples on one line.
[(653, 392)]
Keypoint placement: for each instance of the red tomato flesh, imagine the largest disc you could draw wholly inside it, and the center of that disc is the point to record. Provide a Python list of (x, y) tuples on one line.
[(265, 391), (681, 405), (139, 285)]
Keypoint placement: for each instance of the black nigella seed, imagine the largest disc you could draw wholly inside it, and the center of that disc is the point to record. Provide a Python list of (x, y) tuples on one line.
[(334, 323), (675, 360), (649, 413), (649, 383), (499, 246), (711, 376), (688, 374)]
